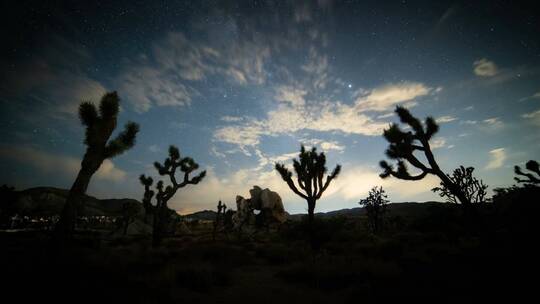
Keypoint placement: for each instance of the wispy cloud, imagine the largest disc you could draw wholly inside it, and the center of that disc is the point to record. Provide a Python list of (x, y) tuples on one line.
[(297, 114), (485, 68), (533, 117), (496, 158), (386, 97), (445, 119)]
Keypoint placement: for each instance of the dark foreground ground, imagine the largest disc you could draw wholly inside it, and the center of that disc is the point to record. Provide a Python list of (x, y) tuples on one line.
[(440, 257)]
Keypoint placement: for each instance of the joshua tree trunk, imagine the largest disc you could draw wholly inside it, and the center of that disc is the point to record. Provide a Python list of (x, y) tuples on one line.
[(160, 222), (311, 211), (455, 190), (68, 219), (311, 218)]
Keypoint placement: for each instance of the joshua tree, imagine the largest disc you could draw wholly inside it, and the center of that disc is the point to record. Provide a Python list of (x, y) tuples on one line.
[(169, 167), (220, 216), (375, 205), (147, 198), (310, 169), (404, 144), (533, 167), (100, 125), (473, 189)]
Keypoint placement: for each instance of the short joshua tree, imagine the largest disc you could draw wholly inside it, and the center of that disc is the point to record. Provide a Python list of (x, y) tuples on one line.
[(310, 168), (169, 168), (376, 206)]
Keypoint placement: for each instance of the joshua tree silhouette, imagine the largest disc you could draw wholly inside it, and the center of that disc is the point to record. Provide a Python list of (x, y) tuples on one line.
[(376, 206), (404, 144), (310, 169), (533, 167), (187, 165), (474, 189), (99, 128)]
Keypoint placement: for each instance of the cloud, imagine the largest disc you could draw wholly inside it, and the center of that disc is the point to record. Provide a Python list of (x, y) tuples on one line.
[(355, 182), (294, 96), (533, 117), (323, 144), (533, 96), (437, 143), (386, 97), (497, 158), (231, 118), (493, 122), (146, 86), (445, 119), (169, 73), (298, 114), (48, 163), (485, 68)]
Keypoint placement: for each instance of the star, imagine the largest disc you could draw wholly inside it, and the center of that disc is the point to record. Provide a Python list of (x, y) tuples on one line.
[(350, 85)]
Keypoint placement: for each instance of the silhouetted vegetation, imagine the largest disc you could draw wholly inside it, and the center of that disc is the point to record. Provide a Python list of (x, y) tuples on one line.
[(310, 168), (100, 125), (473, 189), (403, 145), (169, 168), (534, 168), (219, 222), (376, 207)]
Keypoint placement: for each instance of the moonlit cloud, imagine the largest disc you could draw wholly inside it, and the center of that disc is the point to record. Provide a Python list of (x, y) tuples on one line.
[(485, 68), (437, 143), (533, 117), (445, 119), (296, 114), (496, 158), (493, 122), (386, 97)]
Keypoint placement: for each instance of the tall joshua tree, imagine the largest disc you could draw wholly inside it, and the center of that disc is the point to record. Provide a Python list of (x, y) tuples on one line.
[(534, 168), (169, 168), (100, 124), (403, 145), (310, 168)]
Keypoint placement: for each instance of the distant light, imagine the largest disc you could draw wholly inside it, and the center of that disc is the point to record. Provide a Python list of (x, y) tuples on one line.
[(350, 85)]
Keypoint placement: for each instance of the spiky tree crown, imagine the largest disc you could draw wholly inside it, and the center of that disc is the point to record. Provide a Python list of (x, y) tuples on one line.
[(169, 168), (99, 126), (534, 168), (402, 146), (310, 168), (472, 188)]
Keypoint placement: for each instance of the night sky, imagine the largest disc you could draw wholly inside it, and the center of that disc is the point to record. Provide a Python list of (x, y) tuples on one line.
[(239, 85)]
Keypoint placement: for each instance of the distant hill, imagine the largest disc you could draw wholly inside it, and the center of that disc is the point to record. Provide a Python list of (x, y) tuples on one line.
[(404, 209), (50, 201), (205, 215)]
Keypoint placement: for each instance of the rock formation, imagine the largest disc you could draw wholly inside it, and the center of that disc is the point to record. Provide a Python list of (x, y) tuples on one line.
[(267, 202)]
